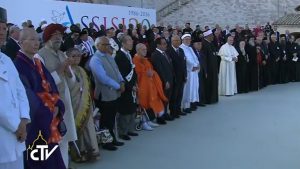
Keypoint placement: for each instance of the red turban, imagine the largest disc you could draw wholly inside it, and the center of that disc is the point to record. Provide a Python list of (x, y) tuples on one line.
[(51, 29)]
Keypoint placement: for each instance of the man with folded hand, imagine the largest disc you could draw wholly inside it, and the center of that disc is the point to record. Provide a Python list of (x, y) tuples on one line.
[(190, 91)]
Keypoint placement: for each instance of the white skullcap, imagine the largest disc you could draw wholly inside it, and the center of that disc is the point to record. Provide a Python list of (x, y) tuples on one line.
[(207, 33), (44, 26), (119, 35), (185, 35)]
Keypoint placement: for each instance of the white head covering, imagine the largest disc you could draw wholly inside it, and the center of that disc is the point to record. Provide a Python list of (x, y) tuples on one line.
[(185, 35), (207, 33), (119, 35), (44, 26)]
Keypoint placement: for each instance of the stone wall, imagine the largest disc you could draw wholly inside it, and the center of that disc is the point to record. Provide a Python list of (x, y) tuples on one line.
[(230, 12), (210, 12)]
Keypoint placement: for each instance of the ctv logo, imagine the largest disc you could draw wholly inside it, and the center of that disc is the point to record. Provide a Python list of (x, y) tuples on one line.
[(39, 150)]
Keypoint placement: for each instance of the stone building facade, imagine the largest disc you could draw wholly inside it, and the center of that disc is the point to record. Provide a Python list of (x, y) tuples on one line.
[(210, 12)]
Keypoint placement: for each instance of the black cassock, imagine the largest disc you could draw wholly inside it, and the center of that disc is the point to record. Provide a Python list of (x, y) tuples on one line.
[(292, 48), (242, 72), (283, 64), (211, 86), (297, 66), (266, 69), (253, 68), (127, 103), (275, 53)]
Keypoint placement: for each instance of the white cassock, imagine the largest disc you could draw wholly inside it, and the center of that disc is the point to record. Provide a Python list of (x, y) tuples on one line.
[(191, 87), (227, 74), (13, 106)]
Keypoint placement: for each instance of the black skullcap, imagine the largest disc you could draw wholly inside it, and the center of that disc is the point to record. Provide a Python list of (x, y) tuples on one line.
[(3, 15)]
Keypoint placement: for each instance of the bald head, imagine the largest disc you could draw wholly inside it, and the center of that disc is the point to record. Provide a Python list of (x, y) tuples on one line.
[(29, 41), (141, 50), (28, 33)]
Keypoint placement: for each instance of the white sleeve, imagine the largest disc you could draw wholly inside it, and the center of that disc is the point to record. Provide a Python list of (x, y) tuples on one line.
[(223, 55), (23, 100)]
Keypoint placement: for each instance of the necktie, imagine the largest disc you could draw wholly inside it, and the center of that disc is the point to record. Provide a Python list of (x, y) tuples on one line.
[(164, 53)]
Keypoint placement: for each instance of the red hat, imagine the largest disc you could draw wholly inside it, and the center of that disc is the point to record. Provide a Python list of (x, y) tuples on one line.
[(51, 29)]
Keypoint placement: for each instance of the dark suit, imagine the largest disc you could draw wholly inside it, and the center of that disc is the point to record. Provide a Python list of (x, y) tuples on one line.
[(180, 72), (202, 76), (11, 48), (164, 68), (127, 106)]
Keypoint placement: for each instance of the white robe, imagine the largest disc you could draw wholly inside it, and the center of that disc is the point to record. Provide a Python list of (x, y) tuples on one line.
[(13, 106), (51, 60), (227, 74), (191, 87)]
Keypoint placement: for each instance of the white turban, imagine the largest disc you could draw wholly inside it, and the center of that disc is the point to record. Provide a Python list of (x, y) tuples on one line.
[(185, 35)]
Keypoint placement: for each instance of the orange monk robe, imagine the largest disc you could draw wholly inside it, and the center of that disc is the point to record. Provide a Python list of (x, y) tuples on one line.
[(150, 92)]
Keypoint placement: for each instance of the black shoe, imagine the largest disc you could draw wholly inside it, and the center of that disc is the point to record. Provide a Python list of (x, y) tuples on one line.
[(109, 147), (202, 105), (161, 120), (188, 110), (124, 137), (168, 117), (175, 116), (193, 109), (180, 113), (132, 134), (118, 143)]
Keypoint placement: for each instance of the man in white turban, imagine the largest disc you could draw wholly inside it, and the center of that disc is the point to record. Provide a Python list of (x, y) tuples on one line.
[(190, 91)]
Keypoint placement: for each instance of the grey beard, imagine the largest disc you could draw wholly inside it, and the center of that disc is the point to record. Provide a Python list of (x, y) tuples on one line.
[(55, 46)]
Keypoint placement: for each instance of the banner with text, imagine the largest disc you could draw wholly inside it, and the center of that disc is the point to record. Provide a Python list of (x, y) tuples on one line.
[(67, 13)]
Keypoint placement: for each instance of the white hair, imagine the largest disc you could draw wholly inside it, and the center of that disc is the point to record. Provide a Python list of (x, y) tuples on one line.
[(99, 40)]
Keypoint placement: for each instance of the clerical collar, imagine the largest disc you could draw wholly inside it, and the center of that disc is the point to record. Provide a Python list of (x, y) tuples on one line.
[(160, 51)]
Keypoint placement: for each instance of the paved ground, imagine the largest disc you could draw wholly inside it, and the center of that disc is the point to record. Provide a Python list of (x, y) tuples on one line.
[(259, 130)]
